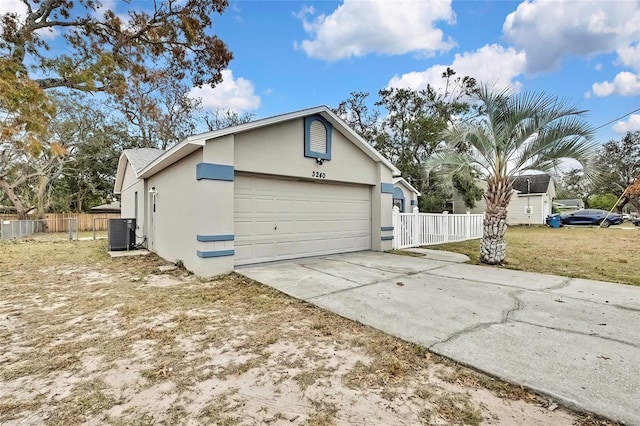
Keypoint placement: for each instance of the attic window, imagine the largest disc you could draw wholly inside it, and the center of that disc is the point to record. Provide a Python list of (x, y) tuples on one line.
[(317, 137)]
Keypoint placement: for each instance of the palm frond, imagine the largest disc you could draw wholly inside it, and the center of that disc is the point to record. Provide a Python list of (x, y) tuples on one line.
[(520, 132)]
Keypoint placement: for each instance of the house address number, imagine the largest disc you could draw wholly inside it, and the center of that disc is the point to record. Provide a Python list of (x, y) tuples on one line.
[(319, 175)]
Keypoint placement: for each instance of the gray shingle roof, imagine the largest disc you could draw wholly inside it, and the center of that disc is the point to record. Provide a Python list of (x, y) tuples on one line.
[(139, 158), (114, 206), (570, 202), (532, 184)]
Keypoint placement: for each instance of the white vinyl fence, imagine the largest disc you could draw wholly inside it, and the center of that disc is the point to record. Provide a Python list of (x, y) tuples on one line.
[(423, 229)]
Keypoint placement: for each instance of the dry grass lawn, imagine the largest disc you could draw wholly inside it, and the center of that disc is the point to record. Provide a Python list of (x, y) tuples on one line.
[(605, 254), (86, 339)]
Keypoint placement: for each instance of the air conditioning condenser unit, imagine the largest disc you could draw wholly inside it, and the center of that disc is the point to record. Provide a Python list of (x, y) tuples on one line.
[(122, 234)]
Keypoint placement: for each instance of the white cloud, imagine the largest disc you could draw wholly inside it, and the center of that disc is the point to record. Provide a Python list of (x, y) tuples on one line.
[(547, 30), (630, 56), (357, 28), (624, 84), (491, 64), (237, 95), (13, 6), (631, 125), (20, 9)]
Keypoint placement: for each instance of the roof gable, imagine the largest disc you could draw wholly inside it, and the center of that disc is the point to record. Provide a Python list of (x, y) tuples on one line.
[(402, 181), (193, 143), (139, 158)]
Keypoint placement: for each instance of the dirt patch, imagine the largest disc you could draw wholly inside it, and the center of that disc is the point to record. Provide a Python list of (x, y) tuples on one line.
[(89, 339)]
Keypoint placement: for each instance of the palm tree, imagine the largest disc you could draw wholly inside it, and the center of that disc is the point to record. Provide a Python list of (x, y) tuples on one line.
[(514, 133)]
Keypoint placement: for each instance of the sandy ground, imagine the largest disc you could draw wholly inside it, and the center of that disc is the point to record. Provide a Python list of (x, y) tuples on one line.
[(86, 339)]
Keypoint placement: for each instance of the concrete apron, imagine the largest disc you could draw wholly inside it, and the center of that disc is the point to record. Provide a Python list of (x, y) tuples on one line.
[(575, 340)]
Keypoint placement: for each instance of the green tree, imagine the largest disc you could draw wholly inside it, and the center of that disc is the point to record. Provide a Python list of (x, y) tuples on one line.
[(516, 133), (618, 166), (355, 112), (97, 50), (413, 131), (159, 111), (223, 118), (573, 184), (602, 201), (105, 51), (410, 133), (95, 140), (25, 147)]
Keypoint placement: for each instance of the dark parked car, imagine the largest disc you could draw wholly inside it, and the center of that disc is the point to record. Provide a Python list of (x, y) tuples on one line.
[(591, 217), (636, 221)]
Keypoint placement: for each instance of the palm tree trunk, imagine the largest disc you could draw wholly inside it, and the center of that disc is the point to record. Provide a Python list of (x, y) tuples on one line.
[(493, 246)]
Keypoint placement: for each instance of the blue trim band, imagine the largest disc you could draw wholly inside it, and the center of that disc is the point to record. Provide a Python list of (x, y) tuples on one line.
[(209, 238), (387, 238), (212, 171), (414, 202), (386, 188), (218, 253), (386, 228), (307, 137)]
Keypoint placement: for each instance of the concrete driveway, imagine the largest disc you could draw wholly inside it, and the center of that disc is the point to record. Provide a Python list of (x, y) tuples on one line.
[(577, 341)]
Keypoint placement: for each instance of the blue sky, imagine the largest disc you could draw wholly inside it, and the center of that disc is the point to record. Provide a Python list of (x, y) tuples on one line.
[(294, 54), (290, 55)]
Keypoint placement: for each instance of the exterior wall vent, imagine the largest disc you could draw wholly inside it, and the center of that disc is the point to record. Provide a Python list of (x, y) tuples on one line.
[(318, 134)]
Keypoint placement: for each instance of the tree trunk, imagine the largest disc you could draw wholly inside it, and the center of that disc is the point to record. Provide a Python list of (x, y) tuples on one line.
[(493, 246), (634, 200), (15, 200)]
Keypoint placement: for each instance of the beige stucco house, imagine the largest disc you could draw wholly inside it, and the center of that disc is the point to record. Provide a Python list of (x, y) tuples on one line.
[(295, 185), (405, 196), (530, 203)]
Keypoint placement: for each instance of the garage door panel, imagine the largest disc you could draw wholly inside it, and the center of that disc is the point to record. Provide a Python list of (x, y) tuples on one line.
[(242, 204), (263, 205), (280, 219), (284, 207), (243, 229)]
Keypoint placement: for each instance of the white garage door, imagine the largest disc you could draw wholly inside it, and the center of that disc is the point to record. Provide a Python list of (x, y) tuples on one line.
[(284, 219)]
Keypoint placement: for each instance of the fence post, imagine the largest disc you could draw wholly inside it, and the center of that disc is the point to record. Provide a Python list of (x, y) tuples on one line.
[(416, 228), (395, 221), (468, 224), (445, 216)]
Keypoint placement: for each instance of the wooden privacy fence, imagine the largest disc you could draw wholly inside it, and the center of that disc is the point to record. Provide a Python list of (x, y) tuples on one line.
[(423, 229), (59, 222)]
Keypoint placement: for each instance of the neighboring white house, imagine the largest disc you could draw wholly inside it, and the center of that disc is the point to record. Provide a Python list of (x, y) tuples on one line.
[(405, 196), (530, 203), (568, 205), (295, 185)]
